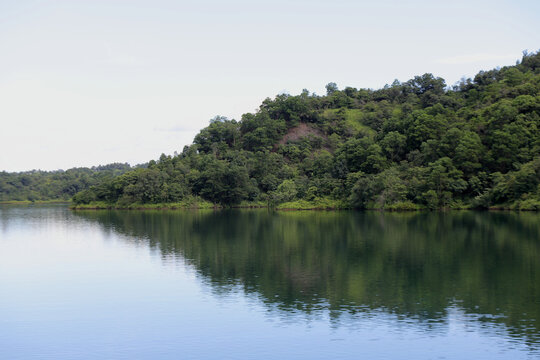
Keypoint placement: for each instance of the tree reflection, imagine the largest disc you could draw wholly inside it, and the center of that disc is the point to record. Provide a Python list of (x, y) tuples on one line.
[(414, 265)]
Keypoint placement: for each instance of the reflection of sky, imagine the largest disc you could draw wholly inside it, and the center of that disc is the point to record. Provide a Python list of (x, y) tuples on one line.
[(70, 290)]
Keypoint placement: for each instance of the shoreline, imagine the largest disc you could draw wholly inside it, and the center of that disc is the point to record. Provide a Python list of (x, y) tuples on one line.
[(300, 205), (37, 202), (166, 207)]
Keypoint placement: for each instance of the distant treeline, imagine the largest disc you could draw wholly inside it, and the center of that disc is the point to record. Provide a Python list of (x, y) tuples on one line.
[(37, 185), (413, 144)]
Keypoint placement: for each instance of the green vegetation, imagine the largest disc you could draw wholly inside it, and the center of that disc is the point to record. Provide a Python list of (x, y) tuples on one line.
[(411, 145), (54, 186), (316, 204), (187, 203)]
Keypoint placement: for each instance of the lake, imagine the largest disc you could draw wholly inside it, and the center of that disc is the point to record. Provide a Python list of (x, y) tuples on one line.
[(257, 284)]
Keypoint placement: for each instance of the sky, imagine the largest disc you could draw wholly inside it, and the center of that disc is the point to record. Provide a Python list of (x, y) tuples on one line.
[(84, 83)]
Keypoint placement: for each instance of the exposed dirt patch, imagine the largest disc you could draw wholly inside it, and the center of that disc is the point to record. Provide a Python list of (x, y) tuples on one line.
[(300, 131)]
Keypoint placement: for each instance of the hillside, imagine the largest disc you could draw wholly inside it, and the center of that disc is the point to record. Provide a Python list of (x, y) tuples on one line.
[(408, 145)]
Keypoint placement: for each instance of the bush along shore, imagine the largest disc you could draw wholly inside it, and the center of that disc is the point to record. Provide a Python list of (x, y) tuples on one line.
[(412, 145), (320, 204)]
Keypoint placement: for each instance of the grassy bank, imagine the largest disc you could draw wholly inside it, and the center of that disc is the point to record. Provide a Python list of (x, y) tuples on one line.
[(186, 204), (315, 204), (321, 204), (523, 205)]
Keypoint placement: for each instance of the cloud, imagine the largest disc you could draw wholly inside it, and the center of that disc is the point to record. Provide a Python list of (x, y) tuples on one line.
[(476, 58)]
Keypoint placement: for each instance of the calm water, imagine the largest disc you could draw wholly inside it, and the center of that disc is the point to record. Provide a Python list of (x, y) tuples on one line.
[(266, 285)]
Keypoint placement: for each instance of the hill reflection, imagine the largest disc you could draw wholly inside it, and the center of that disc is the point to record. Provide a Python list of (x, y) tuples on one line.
[(415, 265)]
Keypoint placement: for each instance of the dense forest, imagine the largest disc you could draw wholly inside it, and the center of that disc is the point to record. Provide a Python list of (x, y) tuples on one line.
[(60, 185), (414, 144)]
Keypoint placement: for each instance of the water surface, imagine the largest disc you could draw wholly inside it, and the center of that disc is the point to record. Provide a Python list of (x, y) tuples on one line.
[(265, 285)]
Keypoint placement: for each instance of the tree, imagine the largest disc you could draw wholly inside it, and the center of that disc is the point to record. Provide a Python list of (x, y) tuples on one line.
[(331, 88)]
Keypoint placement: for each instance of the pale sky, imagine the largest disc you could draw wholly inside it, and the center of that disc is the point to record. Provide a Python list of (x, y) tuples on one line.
[(85, 83)]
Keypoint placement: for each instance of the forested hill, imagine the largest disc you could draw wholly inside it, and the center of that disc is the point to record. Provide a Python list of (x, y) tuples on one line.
[(60, 185), (408, 145)]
